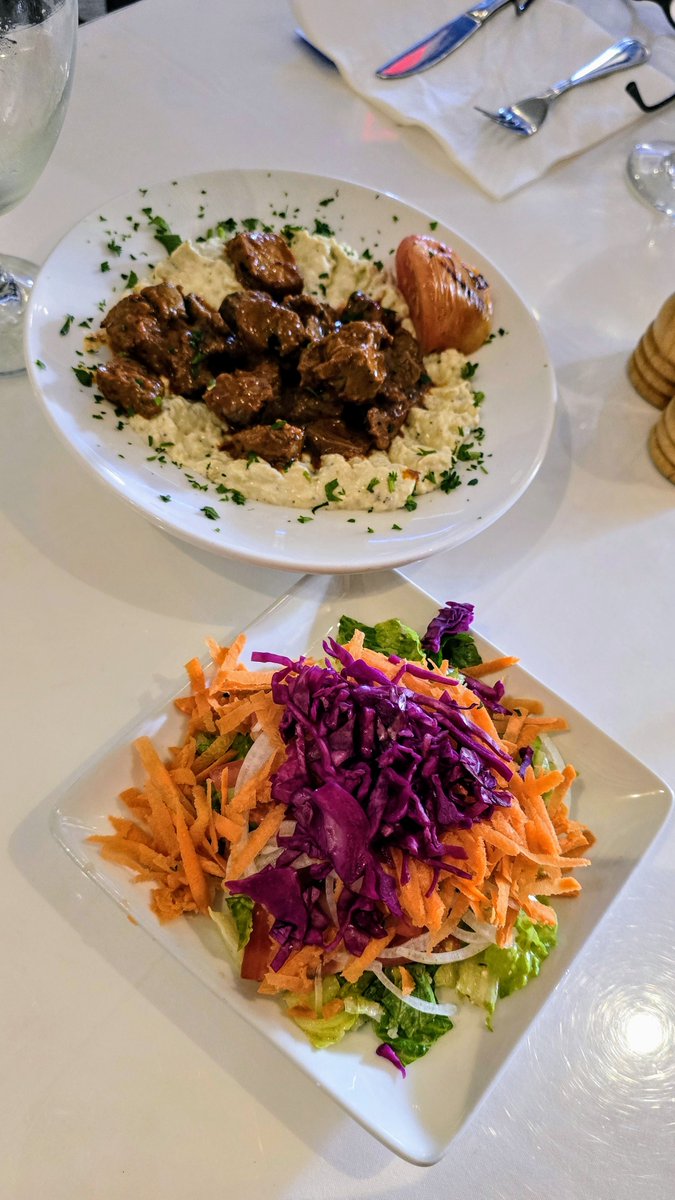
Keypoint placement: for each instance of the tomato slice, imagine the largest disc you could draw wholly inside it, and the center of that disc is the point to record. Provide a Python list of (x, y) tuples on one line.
[(260, 947), (450, 303)]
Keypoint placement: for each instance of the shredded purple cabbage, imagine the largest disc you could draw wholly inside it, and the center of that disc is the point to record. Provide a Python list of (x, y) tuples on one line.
[(371, 768), (453, 618), (386, 1051), (526, 756)]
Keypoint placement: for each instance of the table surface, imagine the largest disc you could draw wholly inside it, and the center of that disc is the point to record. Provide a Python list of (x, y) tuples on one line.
[(123, 1076)]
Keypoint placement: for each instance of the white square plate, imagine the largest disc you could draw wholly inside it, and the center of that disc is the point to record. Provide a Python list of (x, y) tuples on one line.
[(620, 799)]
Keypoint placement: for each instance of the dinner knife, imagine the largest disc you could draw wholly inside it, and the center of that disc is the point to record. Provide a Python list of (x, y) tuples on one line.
[(438, 45)]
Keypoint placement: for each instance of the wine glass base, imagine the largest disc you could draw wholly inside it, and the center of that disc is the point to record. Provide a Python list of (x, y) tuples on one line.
[(13, 300), (651, 173)]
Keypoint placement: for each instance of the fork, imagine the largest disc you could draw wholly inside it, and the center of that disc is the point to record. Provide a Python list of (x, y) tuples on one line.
[(525, 117)]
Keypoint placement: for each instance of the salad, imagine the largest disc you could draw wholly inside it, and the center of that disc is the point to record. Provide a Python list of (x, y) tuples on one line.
[(376, 833)]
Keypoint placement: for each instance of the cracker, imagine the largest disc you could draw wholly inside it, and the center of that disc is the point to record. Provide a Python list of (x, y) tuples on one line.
[(662, 464), (666, 443), (664, 328), (664, 366), (668, 418), (657, 398), (649, 373)]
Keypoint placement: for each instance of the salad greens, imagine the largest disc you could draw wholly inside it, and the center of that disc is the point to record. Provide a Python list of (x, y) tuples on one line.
[(367, 832), (387, 637), (497, 972)]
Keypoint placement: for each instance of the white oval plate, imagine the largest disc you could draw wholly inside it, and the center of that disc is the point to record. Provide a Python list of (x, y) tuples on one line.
[(514, 373)]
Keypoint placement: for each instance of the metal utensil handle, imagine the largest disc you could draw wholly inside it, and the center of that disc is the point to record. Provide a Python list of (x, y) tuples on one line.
[(626, 53), (481, 12)]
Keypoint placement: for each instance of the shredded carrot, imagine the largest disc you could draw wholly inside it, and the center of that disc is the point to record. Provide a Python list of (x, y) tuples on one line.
[(189, 832)]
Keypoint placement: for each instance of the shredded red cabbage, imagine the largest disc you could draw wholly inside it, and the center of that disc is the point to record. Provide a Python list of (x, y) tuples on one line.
[(386, 1051), (453, 618), (371, 767)]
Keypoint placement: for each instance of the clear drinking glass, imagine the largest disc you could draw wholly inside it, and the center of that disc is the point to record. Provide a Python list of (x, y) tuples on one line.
[(651, 170), (37, 49)]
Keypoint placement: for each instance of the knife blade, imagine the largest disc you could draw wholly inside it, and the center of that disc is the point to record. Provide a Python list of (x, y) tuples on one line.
[(442, 42)]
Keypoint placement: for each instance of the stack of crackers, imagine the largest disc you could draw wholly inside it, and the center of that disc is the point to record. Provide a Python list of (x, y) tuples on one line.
[(651, 370)]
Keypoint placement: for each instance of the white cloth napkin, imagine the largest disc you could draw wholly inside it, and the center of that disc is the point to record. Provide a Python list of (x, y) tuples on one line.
[(510, 58)]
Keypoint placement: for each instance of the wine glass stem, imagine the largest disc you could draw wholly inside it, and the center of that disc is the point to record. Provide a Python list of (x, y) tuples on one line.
[(10, 292), (16, 280)]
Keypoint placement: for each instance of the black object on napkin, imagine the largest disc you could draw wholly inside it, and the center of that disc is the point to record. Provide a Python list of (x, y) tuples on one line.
[(667, 7)]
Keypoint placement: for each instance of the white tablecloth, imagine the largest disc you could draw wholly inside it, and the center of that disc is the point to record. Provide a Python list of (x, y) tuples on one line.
[(121, 1075)]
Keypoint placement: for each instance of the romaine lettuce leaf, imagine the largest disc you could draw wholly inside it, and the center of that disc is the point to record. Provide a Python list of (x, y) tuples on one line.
[(494, 972), (387, 637), (409, 1032), (241, 908)]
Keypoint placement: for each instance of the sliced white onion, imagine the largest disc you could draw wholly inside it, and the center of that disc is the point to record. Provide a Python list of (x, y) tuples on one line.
[(405, 949), (436, 958), (318, 991), (471, 938), (331, 905), (552, 752), (482, 927), (255, 760), (426, 1006)]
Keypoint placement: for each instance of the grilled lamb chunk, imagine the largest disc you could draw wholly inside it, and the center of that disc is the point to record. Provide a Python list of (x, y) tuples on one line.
[(350, 361), (404, 361), (300, 407), (171, 334), (166, 300), (361, 307), (384, 420), (240, 396), (206, 324), (279, 446), (262, 324), (134, 328), (319, 319), (330, 435), (264, 262), (128, 385)]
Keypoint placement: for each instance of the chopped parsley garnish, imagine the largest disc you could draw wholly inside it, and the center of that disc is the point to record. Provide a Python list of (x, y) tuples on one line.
[(466, 453), (478, 398), (398, 527), (232, 494), (132, 279), (66, 325), (469, 370), (433, 225), (472, 482), (334, 492), (392, 478), (165, 499), (170, 241), (423, 453), (209, 512), (303, 519), (449, 481), (114, 247), (373, 484), (321, 228), (105, 266), (410, 504), (83, 376), (326, 202)]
